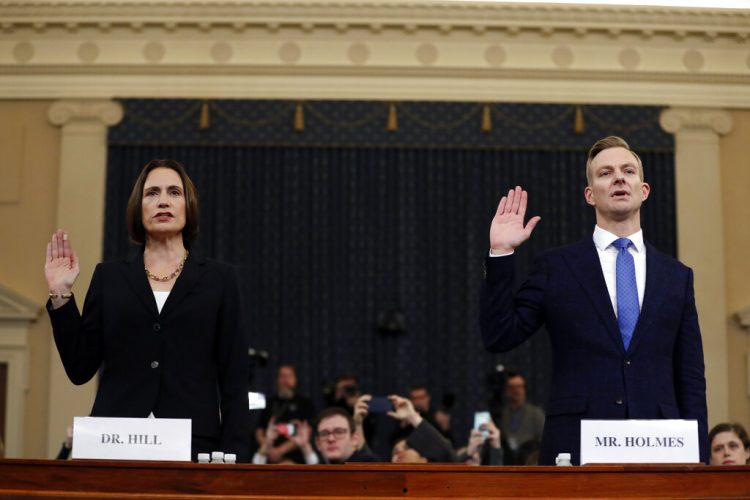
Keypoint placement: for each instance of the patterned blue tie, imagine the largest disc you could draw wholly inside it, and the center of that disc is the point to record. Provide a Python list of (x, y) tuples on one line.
[(627, 291)]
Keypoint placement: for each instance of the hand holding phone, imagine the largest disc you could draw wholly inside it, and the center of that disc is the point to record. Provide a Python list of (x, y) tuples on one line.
[(380, 405), (481, 419), (286, 429)]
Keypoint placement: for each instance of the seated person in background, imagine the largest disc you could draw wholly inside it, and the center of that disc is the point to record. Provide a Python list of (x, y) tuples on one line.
[(484, 446), (284, 407), (301, 439), (729, 444), (346, 393), (338, 440), (403, 454), (421, 398), (520, 421)]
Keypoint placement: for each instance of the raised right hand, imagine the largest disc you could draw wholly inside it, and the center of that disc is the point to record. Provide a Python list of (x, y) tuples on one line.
[(61, 266), (507, 231)]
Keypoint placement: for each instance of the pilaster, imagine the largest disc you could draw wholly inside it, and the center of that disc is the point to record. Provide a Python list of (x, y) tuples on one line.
[(80, 211), (700, 236)]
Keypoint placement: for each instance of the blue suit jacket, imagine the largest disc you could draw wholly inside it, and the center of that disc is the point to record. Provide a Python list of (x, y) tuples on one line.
[(660, 376)]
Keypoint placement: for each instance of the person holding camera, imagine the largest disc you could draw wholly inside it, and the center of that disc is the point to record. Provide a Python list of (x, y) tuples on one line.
[(346, 393), (298, 432), (423, 437), (484, 446), (284, 408)]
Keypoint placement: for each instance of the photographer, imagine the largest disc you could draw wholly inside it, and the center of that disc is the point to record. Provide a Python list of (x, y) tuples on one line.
[(428, 443), (346, 393), (300, 436), (284, 407), (484, 447)]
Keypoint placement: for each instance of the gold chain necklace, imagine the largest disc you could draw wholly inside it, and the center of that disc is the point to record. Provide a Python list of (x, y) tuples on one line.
[(171, 276)]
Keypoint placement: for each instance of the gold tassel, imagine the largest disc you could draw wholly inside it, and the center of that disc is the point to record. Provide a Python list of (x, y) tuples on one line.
[(392, 118), (205, 121), (579, 127), (299, 118), (486, 118)]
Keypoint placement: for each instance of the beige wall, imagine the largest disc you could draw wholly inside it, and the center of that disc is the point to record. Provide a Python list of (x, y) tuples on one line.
[(28, 215), (29, 150), (735, 180)]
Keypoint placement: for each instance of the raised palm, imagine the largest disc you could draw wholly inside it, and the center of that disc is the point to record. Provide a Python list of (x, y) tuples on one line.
[(61, 266), (507, 231)]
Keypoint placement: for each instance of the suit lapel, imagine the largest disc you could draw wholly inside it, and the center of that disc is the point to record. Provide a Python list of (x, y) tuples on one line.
[(584, 263), (195, 267), (135, 276), (656, 278)]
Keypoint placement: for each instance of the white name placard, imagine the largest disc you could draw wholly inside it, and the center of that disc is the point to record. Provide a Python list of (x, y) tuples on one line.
[(132, 438), (639, 441)]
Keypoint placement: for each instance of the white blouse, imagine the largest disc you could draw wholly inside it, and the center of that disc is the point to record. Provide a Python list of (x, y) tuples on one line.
[(161, 298)]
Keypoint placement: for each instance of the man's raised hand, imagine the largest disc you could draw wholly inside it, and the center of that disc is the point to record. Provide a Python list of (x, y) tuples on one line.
[(507, 231)]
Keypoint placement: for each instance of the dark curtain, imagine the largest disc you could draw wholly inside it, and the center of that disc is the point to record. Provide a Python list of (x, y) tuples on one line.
[(331, 241)]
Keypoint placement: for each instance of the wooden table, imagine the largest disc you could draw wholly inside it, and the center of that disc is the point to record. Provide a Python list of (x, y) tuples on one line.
[(178, 480)]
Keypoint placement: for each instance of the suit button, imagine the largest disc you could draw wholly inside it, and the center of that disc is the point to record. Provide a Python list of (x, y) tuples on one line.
[(154, 364), (618, 401), (157, 327), (627, 362)]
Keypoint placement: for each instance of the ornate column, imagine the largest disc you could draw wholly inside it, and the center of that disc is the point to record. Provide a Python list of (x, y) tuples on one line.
[(700, 235), (80, 211)]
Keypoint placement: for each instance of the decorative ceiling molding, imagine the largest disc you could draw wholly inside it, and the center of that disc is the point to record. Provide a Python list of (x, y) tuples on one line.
[(442, 16), (391, 50)]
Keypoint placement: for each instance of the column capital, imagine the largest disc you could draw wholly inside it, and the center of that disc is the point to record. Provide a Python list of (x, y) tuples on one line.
[(674, 120), (107, 112)]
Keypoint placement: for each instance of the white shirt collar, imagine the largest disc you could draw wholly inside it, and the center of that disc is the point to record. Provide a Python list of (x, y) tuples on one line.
[(603, 239)]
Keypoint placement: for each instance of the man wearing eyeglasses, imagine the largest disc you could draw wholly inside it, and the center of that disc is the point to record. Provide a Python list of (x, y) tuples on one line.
[(337, 438)]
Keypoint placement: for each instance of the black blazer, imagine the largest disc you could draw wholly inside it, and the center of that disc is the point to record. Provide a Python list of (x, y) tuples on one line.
[(660, 376), (190, 361)]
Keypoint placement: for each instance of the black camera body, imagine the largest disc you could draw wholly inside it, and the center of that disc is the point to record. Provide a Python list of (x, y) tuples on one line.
[(351, 390)]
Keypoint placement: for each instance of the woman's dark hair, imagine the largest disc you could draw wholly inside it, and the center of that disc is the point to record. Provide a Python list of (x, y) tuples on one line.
[(730, 427), (133, 215)]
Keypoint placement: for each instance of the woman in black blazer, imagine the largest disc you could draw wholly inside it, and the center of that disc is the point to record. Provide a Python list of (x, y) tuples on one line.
[(164, 327)]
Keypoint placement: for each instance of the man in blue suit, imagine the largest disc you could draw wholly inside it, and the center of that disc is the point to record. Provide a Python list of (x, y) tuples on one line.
[(620, 314)]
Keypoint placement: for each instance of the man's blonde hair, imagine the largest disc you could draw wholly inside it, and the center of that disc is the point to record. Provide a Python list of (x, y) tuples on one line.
[(609, 142)]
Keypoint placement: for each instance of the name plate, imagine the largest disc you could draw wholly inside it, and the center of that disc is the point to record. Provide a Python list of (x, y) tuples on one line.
[(132, 438), (639, 441)]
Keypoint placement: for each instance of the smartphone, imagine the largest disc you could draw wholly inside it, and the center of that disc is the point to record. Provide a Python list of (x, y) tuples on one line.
[(380, 405), (286, 429), (481, 419)]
